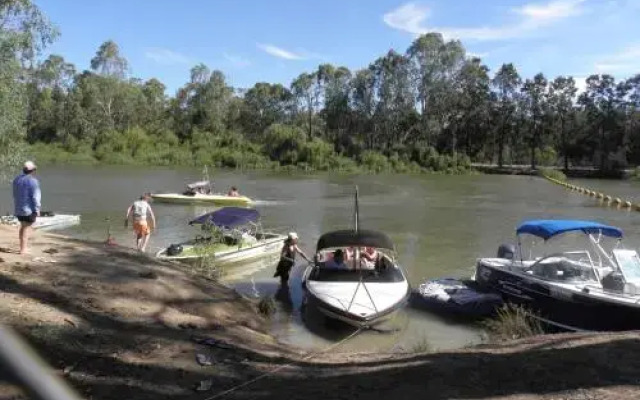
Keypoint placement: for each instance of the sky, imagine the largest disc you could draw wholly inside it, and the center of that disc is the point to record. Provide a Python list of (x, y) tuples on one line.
[(276, 40)]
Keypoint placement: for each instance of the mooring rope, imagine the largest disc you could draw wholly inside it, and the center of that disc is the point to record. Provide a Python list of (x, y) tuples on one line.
[(280, 367)]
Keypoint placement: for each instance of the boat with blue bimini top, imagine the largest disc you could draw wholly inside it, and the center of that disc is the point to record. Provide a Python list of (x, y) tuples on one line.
[(596, 287), (230, 235), (363, 289)]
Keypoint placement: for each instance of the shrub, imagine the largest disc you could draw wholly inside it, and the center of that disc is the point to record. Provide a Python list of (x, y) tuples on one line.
[(512, 322)]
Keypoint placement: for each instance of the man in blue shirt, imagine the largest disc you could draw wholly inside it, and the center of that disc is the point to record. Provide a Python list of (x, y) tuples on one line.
[(26, 200)]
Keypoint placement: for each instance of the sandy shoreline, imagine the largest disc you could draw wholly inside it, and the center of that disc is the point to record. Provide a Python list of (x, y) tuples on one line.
[(115, 324)]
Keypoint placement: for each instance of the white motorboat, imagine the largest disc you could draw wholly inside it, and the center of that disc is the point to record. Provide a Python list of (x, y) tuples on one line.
[(201, 192), (231, 235), (363, 293), (590, 289), (46, 221)]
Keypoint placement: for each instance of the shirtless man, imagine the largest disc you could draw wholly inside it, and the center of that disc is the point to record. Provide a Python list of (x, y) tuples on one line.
[(138, 212)]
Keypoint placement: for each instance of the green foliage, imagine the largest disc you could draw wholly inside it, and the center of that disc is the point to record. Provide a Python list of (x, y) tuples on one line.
[(430, 108), (553, 174), (512, 322)]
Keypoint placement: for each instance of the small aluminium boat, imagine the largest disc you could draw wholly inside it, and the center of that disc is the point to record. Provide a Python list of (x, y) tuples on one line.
[(231, 235), (596, 287), (46, 221), (364, 293)]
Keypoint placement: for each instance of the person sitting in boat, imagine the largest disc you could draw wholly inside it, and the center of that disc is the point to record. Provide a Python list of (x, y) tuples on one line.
[(368, 257), (337, 261), (233, 192), (288, 258)]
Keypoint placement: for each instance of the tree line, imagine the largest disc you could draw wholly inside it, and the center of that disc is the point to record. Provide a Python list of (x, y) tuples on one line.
[(432, 107)]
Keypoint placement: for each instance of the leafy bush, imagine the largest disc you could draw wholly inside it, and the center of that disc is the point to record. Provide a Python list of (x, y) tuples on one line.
[(512, 322)]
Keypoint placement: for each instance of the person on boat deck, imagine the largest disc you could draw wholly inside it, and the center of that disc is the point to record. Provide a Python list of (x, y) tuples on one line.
[(288, 257), (369, 256), (337, 261), (233, 192), (138, 212)]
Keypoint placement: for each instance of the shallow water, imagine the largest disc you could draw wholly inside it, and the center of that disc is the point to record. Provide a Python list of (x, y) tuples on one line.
[(440, 225)]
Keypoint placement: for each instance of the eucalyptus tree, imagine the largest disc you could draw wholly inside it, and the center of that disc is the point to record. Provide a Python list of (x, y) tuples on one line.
[(306, 93), (562, 94), (109, 62), (599, 102), (336, 92), (506, 84), (24, 32), (435, 65), (395, 100), (473, 105), (263, 105), (535, 98)]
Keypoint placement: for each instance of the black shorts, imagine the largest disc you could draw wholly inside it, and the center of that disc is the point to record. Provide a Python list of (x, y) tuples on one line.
[(30, 219)]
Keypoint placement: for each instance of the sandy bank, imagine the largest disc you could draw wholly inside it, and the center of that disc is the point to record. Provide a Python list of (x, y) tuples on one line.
[(117, 325)]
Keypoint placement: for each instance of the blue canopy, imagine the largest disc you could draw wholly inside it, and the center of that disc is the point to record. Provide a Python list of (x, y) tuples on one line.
[(549, 228), (228, 217)]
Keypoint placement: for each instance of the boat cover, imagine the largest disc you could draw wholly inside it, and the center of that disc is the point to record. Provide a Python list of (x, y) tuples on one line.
[(548, 228), (198, 184), (228, 217), (347, 238), (454, 295)]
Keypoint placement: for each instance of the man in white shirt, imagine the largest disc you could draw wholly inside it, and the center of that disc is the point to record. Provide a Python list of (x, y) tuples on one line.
[(138, 212)]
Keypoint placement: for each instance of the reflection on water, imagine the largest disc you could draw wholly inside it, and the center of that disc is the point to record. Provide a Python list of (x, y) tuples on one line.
[(440, 225)]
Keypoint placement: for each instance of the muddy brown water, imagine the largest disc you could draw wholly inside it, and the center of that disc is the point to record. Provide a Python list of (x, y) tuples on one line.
[(440, 225)]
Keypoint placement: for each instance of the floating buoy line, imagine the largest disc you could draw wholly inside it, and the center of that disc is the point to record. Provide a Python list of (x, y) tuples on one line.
[(604, 198)]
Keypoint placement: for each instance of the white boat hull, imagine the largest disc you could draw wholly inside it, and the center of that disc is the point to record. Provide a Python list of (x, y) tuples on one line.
[(217, 199), (57, 221), (261, 249), (358, 304)]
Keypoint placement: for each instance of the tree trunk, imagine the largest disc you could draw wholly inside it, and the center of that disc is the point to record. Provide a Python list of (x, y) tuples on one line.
[(500, 146), (565, 149)]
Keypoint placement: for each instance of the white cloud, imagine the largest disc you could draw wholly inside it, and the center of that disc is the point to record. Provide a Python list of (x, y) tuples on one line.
[(554, 10), (411, 17), (237, 61), (471, 54), (166, 56), (279, 52), (624, 62)]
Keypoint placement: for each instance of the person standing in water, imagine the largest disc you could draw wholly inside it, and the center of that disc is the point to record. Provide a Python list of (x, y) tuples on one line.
[(288, 258), (26, 201), (138, 212)]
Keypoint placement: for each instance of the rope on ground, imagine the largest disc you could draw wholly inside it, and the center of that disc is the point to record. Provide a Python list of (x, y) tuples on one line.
[(280, 367)]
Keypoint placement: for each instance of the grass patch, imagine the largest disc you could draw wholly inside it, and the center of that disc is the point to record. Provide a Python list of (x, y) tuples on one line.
[(422, 345), (267, 306), (512, 322)]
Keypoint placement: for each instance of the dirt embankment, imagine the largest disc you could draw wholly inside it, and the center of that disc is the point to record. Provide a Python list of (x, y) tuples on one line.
[(116, 324)]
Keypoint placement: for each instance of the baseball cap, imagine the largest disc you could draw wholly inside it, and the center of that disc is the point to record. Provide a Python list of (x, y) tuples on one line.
[(29, 166)]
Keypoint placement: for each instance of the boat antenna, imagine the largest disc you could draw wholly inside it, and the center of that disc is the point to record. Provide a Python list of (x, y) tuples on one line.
[(356, 216)]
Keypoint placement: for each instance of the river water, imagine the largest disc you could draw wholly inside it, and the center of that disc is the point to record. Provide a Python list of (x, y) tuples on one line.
[(440, 225)]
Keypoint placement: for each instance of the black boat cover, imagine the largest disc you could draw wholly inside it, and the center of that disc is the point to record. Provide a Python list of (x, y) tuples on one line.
[(361, 238)]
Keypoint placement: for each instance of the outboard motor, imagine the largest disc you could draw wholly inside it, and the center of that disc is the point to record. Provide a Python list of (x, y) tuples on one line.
[(507, 251), (174, 249)]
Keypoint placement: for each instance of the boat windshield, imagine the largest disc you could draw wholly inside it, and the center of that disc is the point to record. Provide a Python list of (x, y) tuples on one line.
[(629, 263), (566, 267), (370, 265)]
